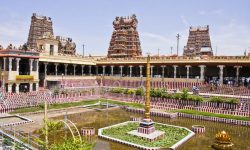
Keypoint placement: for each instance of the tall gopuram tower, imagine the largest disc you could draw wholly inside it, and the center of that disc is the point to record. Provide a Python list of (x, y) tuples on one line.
[(125, 38), (39, 26), (198, 42)]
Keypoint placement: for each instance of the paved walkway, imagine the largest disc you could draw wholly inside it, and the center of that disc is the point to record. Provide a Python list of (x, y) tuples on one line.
[(233, 96)]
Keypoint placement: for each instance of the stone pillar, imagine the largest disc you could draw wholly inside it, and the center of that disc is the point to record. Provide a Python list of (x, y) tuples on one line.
[(74, 70), (103, 70), (45, 74), (37, 65), (151, 71), (188, 67), (45, 68), (56, 69), (31, 87), (90, 70), (221, 73), (141, 71), (237, 73), (121, 70), (130, 71), (96, 70), (17, 65), (9, 88), (82, 69), (17, 87), (112, 70), (31, 65), (4, 64), (66, 68), (163, 70), (175, 68), (37, 86), (10, 68), (202, 69)]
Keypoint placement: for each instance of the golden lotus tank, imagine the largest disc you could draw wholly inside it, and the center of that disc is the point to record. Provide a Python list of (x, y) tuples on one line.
[(222, 141)]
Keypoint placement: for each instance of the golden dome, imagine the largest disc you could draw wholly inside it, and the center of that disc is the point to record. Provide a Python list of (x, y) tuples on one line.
[(223, 137)]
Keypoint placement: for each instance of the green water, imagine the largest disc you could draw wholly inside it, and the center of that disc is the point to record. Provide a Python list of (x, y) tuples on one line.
[(98, 119)]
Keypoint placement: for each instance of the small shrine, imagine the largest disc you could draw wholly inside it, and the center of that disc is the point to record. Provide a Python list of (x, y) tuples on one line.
[(222, 141)]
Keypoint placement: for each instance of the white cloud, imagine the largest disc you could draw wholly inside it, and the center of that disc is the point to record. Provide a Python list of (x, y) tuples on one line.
[(232, 38)]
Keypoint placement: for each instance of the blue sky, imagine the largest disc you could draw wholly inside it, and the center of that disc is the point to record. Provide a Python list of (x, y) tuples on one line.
[(90, 22)]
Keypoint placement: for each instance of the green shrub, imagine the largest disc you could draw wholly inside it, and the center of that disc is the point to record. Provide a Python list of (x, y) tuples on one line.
[(216, 99), (195, 98), (71, 144), (117, 90), (177, 96), (125, 91), (158, 92), (139, 91), (184, 94), (131, 91), (152, 93), (165, 95), (232, 101), (199, 98), (7, 142)]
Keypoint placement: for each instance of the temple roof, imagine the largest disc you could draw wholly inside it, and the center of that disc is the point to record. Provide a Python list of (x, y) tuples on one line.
[(18, 53)]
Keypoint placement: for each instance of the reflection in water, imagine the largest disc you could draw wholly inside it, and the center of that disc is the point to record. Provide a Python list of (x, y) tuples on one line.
[(98, 119)]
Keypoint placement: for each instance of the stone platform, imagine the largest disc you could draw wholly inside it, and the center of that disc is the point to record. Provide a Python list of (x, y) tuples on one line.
[(150, 137), (138, 140)]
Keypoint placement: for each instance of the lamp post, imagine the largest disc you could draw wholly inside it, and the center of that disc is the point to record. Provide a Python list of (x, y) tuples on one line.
[(62, 81), (147, 97), (178, 38), (45, 124)]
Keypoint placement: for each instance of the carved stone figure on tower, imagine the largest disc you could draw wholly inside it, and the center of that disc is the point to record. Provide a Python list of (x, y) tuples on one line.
[(66, 45)]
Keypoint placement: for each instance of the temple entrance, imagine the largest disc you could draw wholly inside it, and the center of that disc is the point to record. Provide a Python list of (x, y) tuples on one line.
[(24, 87)]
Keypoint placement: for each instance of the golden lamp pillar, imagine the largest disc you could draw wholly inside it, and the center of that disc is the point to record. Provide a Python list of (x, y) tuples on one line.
[(147, 125), (147, 98)]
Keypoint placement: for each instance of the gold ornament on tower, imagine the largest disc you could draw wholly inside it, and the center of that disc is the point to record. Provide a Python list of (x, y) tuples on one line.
[(223, 141)]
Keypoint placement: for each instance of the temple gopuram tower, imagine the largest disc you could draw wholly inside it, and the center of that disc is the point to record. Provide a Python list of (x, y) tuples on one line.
[(125, 38), (39, 26), (198, 42)]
